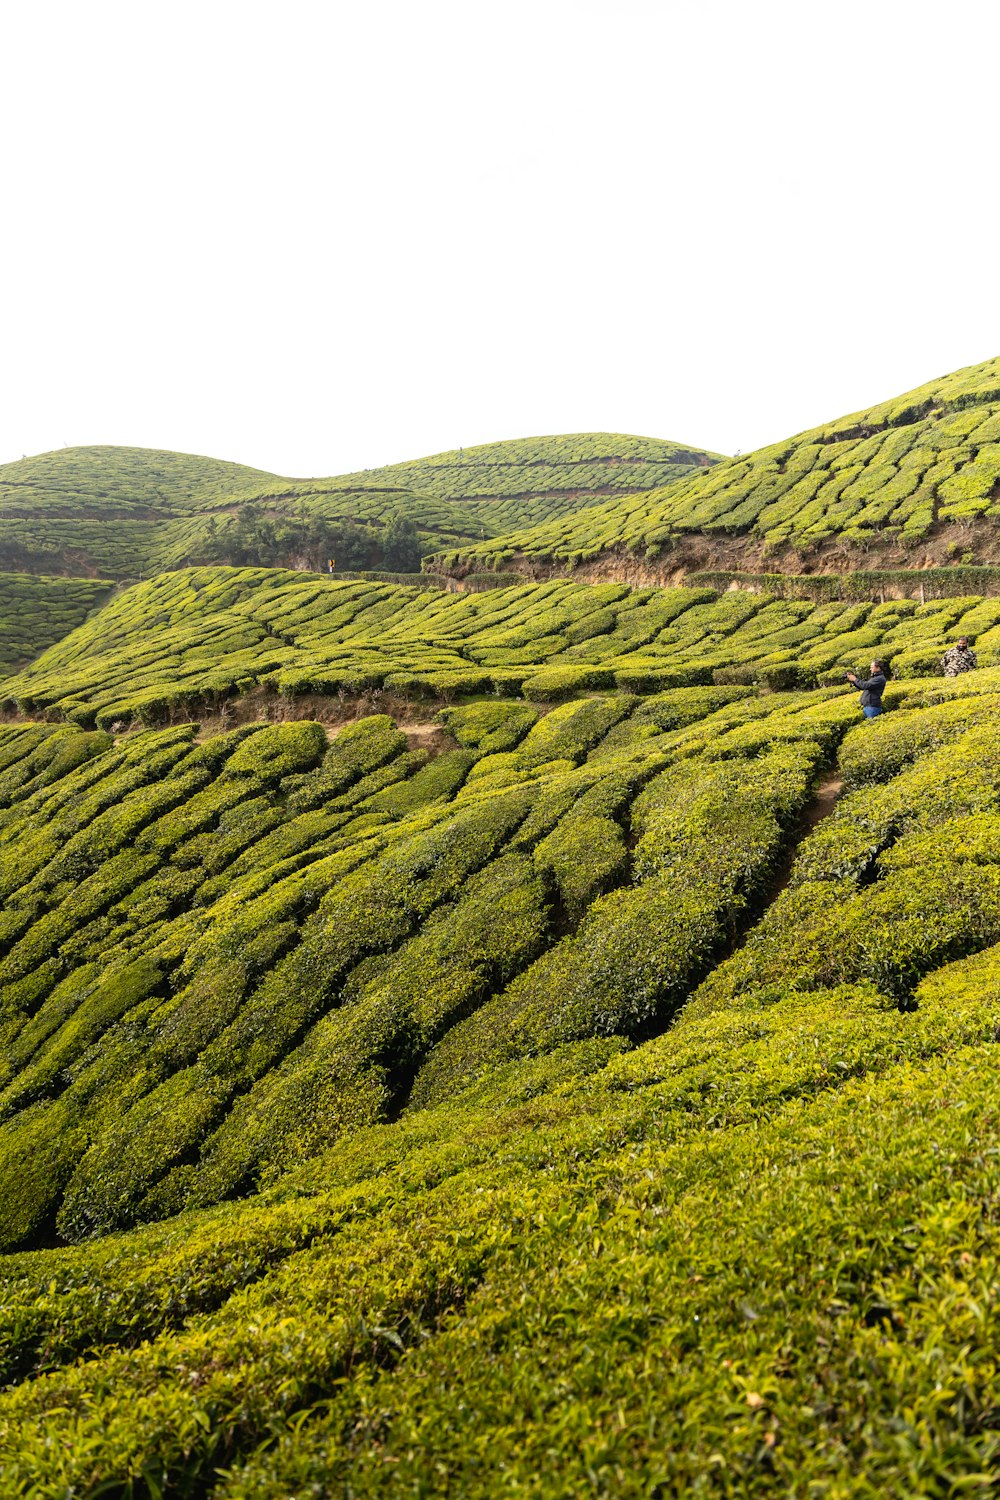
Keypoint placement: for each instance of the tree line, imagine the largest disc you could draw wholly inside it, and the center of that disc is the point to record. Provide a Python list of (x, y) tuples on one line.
[(255, 537)]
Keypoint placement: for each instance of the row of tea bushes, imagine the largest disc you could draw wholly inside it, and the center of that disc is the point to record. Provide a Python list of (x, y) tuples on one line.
[(708, 837), (167, 648), (903, 879), (35, 612)]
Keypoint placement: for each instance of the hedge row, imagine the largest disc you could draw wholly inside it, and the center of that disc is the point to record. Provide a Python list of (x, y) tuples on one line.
[(168, 649)]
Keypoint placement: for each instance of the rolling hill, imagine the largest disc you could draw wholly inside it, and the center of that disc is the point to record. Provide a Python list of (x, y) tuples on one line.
[(128, 512), (517, 1042), (912, 482)]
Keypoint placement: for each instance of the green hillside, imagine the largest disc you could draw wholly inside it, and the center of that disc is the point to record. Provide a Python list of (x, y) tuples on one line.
[(249, 641), (531, 1041), (125, 512), (254, 641), (347, 1145), (37, 612), (903, 479)]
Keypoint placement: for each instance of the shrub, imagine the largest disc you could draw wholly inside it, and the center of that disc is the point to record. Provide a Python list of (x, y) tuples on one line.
[(587, 856)]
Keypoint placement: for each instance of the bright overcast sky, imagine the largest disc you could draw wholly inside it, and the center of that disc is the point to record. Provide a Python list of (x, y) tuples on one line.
[(319, 235)]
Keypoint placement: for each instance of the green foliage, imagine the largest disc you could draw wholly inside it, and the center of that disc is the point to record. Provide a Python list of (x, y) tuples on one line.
[(129, 511), (902, 880), (429, 1284), (37, 612), (256, 537), (587, 856), (489, 727), (891, 473), (708, 838), (550, 1098)]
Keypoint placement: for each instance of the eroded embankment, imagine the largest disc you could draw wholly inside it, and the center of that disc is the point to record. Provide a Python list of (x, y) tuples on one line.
[(263, 706), (946, 543)]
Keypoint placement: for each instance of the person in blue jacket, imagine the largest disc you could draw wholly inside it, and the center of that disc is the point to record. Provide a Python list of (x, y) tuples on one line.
[(872, 689)]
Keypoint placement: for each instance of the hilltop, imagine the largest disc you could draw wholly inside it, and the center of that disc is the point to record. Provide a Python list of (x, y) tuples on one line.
[(126, 512), (913, 482)]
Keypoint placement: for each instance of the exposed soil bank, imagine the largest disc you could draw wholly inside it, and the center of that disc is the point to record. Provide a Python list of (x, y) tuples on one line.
[(946, 544), (824, 802)]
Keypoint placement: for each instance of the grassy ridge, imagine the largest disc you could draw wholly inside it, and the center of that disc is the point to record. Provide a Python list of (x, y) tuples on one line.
[(751, 1256), (57, 509), (894, 472), (205, 636)]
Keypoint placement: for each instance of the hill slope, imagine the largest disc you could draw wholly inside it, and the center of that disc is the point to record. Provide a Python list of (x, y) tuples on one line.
[(916, 480), (37, 612), (497, 1216), (253, 641), (122, 512)]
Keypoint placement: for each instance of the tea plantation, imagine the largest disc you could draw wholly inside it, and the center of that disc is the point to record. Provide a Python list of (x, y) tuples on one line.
[(37, 612), (347, 1144), (537, 1041), (260, 641), (923, 465), (129, 512)]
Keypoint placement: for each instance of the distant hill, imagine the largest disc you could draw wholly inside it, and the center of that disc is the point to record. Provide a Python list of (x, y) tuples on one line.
[(540, 477), (914, 480), (36, 612), (122, 512)]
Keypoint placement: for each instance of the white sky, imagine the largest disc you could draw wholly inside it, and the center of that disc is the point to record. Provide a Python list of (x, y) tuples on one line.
[(318, 235)]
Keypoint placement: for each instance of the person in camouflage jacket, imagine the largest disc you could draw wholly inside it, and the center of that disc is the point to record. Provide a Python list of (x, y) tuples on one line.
[(960, 658)]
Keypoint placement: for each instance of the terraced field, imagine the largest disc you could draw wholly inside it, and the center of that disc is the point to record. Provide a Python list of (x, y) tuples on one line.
[(892, 480), (534, 478), (255, 641), (125, 512)]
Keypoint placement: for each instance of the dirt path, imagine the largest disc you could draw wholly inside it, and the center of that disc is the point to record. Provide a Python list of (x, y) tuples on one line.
[(823, 803)]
